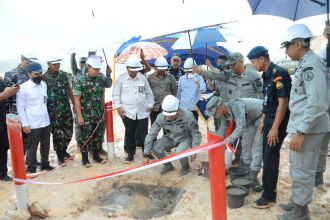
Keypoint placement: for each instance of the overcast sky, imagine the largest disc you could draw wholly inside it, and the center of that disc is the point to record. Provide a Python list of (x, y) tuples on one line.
[(53, 27)]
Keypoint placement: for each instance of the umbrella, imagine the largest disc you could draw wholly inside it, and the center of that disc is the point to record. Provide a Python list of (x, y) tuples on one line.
[(151, 50), (205, 36), (199, 54), (290, 9), (293, 10)]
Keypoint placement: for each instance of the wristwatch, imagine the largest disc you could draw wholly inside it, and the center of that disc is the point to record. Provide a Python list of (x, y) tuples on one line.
[(300, 132)]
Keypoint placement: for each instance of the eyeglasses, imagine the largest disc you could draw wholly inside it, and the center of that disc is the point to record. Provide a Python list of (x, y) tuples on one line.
[(287, 44)]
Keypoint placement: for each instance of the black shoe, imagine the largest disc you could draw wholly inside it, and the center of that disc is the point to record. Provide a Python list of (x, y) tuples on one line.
[(236, 161), (60, 157), (31, 170), (263, 203), (85, 162), (97, 158), (101, 151), (149, 156), (184, 171), (129, 158), (46, 167), (167, 168), (67, 156), (6, 178)]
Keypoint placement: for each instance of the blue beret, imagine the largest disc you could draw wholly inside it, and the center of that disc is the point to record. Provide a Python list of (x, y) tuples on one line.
[(257, 52), (34, 67)]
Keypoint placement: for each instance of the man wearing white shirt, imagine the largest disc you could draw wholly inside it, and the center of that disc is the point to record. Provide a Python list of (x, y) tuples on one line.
[(31, 103), (134, 100)]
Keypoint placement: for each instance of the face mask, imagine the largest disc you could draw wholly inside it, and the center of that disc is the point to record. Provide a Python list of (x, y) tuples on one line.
[(37, 80)]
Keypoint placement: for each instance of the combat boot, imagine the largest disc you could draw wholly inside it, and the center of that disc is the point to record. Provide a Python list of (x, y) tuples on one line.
[(184, 170), (85, 161), (319, 179), (60, 157), (167, 168), (296, 213), (287, 207), (97, 158), (255, 181)]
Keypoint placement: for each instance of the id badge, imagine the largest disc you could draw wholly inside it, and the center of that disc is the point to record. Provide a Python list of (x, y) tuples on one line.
[(141, 88)]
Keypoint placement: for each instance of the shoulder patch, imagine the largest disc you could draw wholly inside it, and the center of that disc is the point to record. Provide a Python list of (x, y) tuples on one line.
[(307, 69), (195, 125), (274, 70), (258, 83), (279, 85), (308, 76)]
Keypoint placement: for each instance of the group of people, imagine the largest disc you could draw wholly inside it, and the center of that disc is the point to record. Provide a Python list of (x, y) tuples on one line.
[(264, 110), (43, 103)]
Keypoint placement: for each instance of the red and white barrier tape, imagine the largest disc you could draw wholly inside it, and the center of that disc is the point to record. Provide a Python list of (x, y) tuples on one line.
[(154, 163)]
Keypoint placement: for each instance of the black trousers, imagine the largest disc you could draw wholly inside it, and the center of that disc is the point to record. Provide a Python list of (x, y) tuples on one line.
[(4, 146), (153, 115), (135, 132), (271, 160), (42, 136)]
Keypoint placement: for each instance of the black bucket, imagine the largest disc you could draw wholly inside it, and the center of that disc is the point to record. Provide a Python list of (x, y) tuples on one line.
[(235, 172), (235, 196), (243, 181)]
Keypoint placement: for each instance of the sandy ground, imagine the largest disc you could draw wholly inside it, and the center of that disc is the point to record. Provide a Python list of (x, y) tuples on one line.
[(77, 201)]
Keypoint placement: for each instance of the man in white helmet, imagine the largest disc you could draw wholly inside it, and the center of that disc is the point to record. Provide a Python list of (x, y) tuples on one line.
[(190, 88), (181, 132), (309, 120), (133, 100), (162, 83)]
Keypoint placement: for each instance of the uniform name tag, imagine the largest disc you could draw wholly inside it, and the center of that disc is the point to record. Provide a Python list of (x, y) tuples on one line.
[(141, 88)]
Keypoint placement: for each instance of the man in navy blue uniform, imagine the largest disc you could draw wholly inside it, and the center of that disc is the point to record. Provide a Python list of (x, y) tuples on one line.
[(276, 90)]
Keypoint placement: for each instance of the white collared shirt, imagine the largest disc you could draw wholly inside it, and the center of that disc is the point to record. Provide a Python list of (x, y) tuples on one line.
[(31, 101), (134, 96)]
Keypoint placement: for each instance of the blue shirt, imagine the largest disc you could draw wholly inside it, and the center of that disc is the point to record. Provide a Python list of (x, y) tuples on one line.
[(188, 91), (277, 84)]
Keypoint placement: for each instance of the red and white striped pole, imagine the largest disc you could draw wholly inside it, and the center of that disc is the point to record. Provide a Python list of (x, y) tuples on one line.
[(217, 173), (14, 130), (109, 127)]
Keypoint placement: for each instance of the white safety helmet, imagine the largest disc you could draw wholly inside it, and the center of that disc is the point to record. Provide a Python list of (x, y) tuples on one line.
[(94, 61), (54, 60), (170, 105), (296, 31), (323, 50), (161, 63), (188, 64), (133, 63)]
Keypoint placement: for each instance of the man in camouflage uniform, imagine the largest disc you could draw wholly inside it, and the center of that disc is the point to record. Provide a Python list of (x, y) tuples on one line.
[(18, 76), (89, 100), (76, 72), (59, 109)]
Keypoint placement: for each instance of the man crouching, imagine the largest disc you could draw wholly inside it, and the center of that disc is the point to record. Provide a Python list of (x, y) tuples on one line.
[(181, 132)]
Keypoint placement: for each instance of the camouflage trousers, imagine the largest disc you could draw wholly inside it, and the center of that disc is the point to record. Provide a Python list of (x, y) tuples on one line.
[(62, 131), (95, 143)]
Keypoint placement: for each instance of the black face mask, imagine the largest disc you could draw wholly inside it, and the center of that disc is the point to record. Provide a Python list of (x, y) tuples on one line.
[(37, 80)]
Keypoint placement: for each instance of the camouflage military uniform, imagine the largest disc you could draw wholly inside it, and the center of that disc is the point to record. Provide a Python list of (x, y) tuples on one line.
[(59, 109), (15, 76), (91, 91)]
